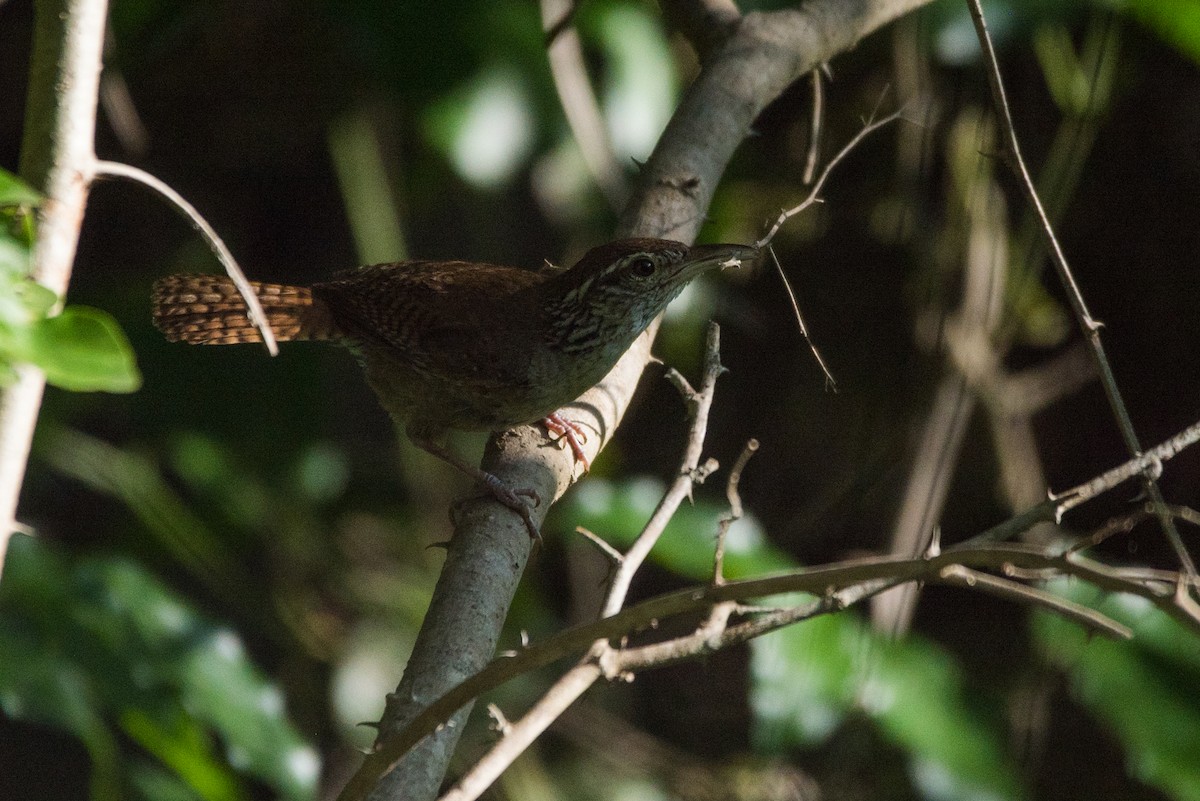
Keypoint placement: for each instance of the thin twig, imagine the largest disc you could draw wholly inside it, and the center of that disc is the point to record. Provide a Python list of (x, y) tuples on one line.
[(1004, 588), (1151, 460), (830, 383), (682, 486), (870, 126), (1088, 324), (612, 553), (1117, 525), (1052, 509), (735, 509), (112, 169), (814, 129)]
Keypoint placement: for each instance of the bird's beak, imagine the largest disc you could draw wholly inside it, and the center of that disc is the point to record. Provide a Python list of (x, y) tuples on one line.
[(722, 256)]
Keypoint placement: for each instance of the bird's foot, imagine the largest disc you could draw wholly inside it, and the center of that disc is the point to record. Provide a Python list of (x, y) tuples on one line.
[(495, 487), (513, 499), (570, 432)]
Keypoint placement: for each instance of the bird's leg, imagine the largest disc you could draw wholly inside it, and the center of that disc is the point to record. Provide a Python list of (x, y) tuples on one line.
[(570, 431), (499, 490)]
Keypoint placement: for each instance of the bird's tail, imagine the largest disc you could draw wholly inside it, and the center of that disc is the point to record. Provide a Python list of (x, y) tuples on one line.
[(207, 310)]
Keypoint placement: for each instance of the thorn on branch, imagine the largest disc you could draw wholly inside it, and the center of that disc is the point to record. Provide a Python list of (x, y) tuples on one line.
[(612, 553), (500, 723)]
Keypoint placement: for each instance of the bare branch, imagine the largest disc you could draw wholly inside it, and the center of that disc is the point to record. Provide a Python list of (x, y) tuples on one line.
[(612, 553), (735, 508), (698, 408), (1088, 324), (871, 125), (1150, 460), (1088, 618), (830, 383)]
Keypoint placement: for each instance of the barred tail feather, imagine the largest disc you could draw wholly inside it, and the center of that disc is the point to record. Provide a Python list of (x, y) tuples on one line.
[(207, 310)]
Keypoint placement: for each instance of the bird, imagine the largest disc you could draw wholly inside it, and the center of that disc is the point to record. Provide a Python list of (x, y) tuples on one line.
[(461, 345)]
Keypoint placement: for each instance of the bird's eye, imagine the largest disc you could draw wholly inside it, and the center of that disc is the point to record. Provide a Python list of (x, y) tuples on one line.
[(642, 268)]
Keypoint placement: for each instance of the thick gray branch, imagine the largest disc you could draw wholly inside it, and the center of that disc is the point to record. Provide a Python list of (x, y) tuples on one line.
[(58, 160), (763, 54)]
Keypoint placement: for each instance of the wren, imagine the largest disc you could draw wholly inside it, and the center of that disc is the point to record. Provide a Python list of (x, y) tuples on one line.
[(463, 345)]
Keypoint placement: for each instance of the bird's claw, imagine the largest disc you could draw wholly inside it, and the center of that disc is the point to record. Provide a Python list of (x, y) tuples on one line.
[(512, 499), (570, 432)]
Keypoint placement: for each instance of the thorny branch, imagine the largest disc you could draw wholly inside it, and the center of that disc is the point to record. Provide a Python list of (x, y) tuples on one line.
[(974, 563), (1011, 153)]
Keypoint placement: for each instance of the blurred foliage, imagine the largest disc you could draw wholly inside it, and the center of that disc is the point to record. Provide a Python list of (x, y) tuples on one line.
[(809, 677), (1140, 689), (104, 650), (1176, 21), (243, 543)]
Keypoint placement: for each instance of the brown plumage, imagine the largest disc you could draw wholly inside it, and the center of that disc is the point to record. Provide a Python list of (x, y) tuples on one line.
[(459, 345), (207, 310)]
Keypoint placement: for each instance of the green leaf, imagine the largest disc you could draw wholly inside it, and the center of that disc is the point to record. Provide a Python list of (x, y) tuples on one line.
[(36, 299), (15, 192), (14, 254), (84, 349), (178, 742)]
